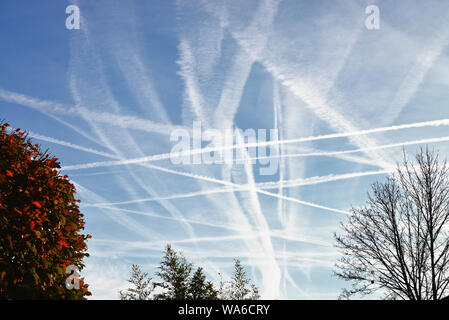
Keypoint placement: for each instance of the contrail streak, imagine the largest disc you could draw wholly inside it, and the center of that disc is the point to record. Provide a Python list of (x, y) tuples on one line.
[(335, 153), (70, 145), (81, 79), (195, 176), (196, 67), (244, 188), (424, 61), (237, 227), (164, 156), (263, 185), (48, 107)]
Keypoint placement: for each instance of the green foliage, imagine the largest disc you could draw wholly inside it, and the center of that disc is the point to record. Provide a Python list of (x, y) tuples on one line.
[(240, 287), (175, 270), (177, 282), (40, 223), (199, 288), (175, 273), (142, 286)]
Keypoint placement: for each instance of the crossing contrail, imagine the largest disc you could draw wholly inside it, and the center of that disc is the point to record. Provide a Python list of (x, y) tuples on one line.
[(263, 185), (237, 187), (50, 107), (164, 156)]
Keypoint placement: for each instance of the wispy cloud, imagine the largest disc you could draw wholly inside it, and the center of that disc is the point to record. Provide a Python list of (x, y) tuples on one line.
[(343, 99), (112, 119), (164, 156)]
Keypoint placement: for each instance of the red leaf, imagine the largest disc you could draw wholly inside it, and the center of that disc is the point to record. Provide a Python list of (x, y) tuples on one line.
[(37, 204), (62, 243), (9, 173)]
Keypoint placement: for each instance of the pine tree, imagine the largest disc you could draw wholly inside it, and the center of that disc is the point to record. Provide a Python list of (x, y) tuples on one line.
[(240, 287), (254, 293), (177, 282), (199, 288), (142, 286), (239, 283), (175, 273)]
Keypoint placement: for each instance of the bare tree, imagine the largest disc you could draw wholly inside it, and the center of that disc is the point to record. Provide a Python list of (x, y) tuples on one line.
[(398, 242)]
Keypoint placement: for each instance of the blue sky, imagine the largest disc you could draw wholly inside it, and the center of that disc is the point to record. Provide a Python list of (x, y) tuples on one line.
[(135, 71)]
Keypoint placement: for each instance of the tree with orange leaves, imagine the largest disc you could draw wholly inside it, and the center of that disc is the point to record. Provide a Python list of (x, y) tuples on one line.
[(40, 223)]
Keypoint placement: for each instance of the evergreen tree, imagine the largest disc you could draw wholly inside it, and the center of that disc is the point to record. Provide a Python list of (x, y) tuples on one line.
[(254, 293), (199, 288), (240, 287), (239, 283), (175, 273), (177, 282), (142, 286)]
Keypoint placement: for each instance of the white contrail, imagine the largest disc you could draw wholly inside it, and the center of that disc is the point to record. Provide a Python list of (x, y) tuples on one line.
[(80, 80), (259, 189), (164, 156), (121, 219), (238, 186), (303, 255), (49, 107), (109, 206), (267, 185), (134, 71), (336, 153), (235, 228), (198, 78), (321, 179), (247, 188), (223, 118), (173, 197), (193, 92), (277, 111), (424, 61), (262, 185), (44, 107), (254, 235), (310, 151), (313, 95), (70, 145), (194, 106)]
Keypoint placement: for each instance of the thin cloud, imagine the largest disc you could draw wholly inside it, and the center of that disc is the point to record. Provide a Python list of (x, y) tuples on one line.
[(164, 156)]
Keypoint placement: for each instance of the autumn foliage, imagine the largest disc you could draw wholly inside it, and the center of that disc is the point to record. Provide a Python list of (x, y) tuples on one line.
[(40, 223)]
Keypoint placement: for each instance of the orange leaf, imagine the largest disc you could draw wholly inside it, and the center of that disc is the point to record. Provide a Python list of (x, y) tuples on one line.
[(9, 173), (37, 204), (62, 243)]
